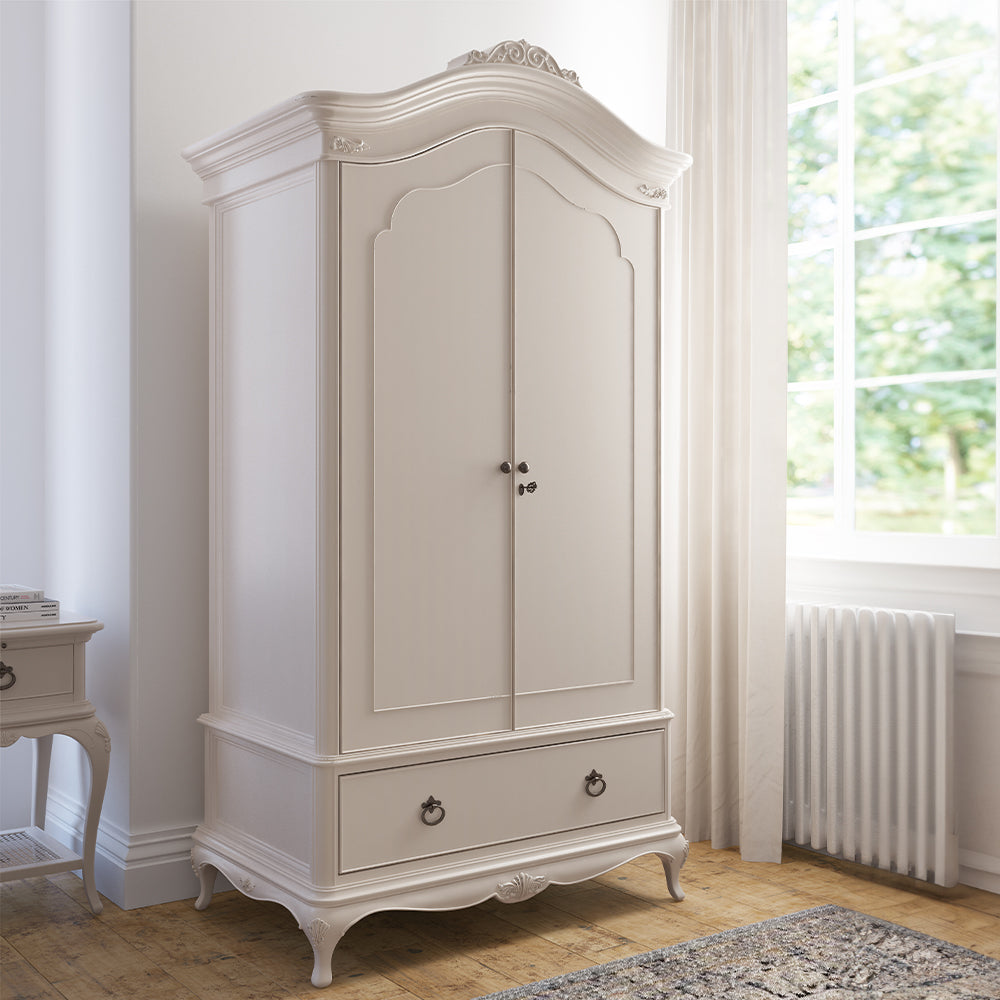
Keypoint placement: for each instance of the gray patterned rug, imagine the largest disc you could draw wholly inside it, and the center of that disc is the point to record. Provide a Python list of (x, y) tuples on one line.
[(827, 952)]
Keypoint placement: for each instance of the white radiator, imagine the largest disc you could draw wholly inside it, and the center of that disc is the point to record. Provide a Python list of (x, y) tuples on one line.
[(869, 735)]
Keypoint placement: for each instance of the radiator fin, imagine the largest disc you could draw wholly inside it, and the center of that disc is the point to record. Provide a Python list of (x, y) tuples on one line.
[(869, 737)]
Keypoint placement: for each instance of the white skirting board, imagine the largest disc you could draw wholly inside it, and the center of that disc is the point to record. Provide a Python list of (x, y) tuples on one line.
[(981, 871), (132, 870)]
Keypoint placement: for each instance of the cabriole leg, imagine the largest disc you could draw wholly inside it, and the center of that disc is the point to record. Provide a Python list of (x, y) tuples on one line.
[(324, 938), (206, 874), (93, 737), (672, 863)]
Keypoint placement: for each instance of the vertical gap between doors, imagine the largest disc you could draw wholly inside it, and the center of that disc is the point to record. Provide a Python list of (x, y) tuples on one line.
[(513, 441)]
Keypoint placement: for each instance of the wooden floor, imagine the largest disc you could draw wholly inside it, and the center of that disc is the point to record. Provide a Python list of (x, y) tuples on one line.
[(54, 948)]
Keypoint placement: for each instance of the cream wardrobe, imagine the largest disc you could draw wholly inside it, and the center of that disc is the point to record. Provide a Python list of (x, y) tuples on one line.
[(436, 668)]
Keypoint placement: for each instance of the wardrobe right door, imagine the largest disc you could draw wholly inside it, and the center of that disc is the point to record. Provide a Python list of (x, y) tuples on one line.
[(586, 320)]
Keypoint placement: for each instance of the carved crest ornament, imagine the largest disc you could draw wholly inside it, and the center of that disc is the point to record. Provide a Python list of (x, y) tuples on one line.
[(342, 144), (522, 54), (651, 191)]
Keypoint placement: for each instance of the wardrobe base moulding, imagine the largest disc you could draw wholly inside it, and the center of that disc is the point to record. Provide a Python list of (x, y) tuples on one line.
[(324, 915)]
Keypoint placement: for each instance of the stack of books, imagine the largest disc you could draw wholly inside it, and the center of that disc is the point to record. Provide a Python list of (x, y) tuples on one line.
[(22, 604)]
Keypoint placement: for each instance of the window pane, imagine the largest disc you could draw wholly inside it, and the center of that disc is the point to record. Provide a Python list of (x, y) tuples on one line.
[(810, 459), (926, 458), (926, 301), (810, 317), (812, 173), (926, 147), (895, 35), (812, 48)]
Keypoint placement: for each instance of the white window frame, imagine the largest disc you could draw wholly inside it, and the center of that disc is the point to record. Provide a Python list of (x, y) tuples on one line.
[(843, 541)]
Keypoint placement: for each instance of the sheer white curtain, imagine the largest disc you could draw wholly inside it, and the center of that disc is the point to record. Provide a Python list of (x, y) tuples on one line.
[(724, 439)]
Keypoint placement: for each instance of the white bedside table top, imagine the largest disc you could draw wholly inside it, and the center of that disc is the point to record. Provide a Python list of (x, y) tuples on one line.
[(68, 621)]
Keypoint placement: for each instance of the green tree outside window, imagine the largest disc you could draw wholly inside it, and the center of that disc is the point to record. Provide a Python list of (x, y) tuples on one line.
[(892, 297)]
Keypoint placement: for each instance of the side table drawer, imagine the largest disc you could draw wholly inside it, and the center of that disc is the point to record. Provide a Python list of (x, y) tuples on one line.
[(498, 798), (37, 672)]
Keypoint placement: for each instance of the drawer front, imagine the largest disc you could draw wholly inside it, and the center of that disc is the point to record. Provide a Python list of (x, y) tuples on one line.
[(497, 798), (37, 672)]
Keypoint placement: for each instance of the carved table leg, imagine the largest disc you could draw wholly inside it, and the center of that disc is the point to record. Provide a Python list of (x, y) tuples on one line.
[(324, 938), (93, 737), (672, 863)]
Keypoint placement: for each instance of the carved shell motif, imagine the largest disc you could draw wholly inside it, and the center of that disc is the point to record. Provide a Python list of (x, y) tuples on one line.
[(521, 886), (522, 54), (316, 930)]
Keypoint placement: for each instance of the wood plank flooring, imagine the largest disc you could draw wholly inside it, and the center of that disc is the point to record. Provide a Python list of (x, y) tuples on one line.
[(53, 948)]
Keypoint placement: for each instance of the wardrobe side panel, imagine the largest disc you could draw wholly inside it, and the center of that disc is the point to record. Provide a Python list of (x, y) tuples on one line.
[(426, 414), (264, 496), (274, 826)]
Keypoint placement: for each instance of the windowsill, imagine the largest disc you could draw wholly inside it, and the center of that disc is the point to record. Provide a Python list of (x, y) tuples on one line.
[(971, 593), (948, 551)]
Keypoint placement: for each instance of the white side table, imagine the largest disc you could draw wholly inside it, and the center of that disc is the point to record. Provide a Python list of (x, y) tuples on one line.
[(42, 693)]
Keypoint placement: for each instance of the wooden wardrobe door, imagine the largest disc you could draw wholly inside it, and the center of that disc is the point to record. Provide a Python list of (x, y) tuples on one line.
[(425, 390), (585, 348)]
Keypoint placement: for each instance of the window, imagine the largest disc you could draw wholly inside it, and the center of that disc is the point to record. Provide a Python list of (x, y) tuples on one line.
[(892, 394)]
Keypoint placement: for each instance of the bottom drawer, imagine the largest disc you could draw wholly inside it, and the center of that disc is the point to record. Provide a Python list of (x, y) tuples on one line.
[(497, 798)]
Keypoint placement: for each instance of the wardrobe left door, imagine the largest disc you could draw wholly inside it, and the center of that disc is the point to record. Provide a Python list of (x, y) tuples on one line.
[(426, 426)]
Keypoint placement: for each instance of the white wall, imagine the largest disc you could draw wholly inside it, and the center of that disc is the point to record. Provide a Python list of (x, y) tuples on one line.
[(22, 325), (977, 756), (87, 361), (66, 352), (22, 296)]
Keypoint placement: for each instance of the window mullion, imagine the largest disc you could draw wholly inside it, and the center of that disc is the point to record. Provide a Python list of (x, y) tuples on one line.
[(996, 355), (844, 313)]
